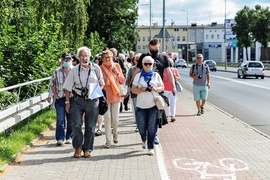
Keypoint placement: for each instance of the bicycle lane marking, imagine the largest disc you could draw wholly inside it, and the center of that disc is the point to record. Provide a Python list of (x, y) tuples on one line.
[(188, 137), (229, 165)]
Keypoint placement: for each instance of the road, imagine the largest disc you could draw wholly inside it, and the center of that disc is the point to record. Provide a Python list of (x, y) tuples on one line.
[(246, 99)]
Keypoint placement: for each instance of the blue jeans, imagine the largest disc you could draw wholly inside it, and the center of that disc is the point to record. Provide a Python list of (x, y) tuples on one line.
[(78, 107), (61, 117), (147, 124)]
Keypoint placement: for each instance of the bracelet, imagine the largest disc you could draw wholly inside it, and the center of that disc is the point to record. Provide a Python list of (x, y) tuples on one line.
[(67, 102)]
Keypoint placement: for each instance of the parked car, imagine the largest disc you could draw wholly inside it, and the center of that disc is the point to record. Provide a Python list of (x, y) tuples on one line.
[(211, 64), (180, 63), (251, 68)]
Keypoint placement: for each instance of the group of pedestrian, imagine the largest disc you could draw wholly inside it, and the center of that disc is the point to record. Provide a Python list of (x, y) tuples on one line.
[(147, 75)]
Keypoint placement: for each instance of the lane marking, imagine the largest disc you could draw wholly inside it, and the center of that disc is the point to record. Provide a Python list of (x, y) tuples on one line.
[(161, 163), (240, 82)]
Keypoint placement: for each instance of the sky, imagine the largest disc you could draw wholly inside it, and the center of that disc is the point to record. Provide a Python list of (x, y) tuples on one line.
[(199, 11)]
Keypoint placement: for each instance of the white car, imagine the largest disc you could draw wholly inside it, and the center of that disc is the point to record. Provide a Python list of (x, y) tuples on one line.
[(251, 68), (180, 63)]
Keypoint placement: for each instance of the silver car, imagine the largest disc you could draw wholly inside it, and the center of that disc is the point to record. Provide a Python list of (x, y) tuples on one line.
[(251, 68), (180, 63)]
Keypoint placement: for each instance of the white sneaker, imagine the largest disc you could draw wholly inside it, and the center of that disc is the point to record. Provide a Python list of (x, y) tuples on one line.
[(136, 130), (151, 152), (59, 143), (69, 141), (144, 145)]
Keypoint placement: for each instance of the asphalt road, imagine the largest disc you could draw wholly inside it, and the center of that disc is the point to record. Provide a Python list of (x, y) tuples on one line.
[(246, 99)]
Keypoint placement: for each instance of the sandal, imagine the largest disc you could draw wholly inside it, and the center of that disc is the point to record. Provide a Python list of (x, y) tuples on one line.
[(98, 132), (202, 110), (199, 113)]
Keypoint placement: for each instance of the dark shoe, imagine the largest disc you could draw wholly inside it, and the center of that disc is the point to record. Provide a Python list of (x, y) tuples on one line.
[(199, 113), (98, 132), (115, 138), (86, 154), (77, 153), (173, 119), (107, 145), (202, 110)]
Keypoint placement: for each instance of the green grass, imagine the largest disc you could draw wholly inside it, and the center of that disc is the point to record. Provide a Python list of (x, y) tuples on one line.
[(23, 133)]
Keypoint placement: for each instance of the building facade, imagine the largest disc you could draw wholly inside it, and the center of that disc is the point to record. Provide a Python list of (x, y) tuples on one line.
[(205, 39)]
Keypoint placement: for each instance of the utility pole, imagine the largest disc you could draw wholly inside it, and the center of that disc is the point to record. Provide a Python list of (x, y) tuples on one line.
[(187, 36), (163, 38), (137, 24), (225, 44), (150, 19)]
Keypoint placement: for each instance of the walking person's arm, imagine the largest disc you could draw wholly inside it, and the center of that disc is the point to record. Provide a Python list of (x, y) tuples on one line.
[(208, 79)]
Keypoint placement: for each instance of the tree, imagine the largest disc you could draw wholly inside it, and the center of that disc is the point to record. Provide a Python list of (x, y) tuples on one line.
[(73, 16), (114, 20), (243, 28), (261, 26)]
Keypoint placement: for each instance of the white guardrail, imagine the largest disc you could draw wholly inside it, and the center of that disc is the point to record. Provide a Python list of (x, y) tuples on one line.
[(22, 110)]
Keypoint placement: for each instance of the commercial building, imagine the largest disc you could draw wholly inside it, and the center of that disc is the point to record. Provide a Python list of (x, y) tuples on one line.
[(205, 39)]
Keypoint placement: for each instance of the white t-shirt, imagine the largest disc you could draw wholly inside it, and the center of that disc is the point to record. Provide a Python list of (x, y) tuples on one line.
[(145, 99)]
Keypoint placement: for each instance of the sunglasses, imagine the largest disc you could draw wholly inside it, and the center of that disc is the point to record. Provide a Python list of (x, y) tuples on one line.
[(147, 64)]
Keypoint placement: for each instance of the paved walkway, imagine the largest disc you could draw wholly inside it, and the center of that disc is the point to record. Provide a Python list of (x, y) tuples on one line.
[(212, 146)]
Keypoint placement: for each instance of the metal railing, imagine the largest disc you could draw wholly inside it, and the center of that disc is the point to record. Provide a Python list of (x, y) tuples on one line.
[(23, 100)]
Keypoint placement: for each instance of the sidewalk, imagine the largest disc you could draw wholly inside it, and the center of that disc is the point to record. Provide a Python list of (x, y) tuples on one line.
[(212, 146)]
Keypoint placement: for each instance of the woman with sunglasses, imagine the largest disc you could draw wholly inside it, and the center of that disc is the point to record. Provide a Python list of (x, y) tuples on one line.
[(146, 85)]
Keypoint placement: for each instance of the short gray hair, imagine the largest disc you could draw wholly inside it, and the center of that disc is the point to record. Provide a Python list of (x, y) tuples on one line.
[(83, 48), (148, 58)]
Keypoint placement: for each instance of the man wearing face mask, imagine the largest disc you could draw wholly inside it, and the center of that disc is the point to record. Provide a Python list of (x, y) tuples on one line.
[(161, 64), (56, 83)]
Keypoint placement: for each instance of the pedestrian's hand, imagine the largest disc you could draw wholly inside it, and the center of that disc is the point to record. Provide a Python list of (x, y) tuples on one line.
[(208, 85), (67, 108), (49, 100), (174, 91), (126, 96)]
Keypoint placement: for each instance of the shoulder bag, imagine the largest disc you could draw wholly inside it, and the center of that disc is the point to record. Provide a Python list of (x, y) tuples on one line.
[(159, 101), (103, 104), (178, 86)]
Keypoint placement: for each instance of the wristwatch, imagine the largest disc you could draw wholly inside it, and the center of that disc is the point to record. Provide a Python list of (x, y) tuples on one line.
[(67, 102)]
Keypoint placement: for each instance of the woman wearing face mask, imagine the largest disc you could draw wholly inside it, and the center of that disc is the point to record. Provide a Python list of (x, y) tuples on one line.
[(78, 82), (57, 81), (113, 75)]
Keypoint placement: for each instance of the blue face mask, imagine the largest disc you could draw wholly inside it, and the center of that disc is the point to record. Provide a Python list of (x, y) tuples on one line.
[(66, 64)]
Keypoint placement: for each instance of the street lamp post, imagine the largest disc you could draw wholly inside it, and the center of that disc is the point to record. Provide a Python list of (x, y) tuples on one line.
[(225, 38), (137, 27), (187, 35), (150, 19)]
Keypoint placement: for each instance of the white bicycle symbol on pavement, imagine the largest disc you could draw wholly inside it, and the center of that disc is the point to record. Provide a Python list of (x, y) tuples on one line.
[(227, 164)]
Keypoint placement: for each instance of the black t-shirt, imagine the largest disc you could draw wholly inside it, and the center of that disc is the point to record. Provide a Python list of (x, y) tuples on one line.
[(120, 62), (161, 63)]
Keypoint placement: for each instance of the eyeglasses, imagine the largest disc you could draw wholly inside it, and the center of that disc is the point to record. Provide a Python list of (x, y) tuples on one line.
[(147, 64), (106, 58)]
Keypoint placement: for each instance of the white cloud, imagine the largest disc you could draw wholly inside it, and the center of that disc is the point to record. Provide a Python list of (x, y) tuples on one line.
[(199, 11)]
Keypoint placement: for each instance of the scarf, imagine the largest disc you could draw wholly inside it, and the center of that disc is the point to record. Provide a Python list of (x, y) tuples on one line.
[(111, 82), (147, 76)]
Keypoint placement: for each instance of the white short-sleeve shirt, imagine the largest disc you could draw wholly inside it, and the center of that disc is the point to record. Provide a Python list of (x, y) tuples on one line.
[(145, 99)]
